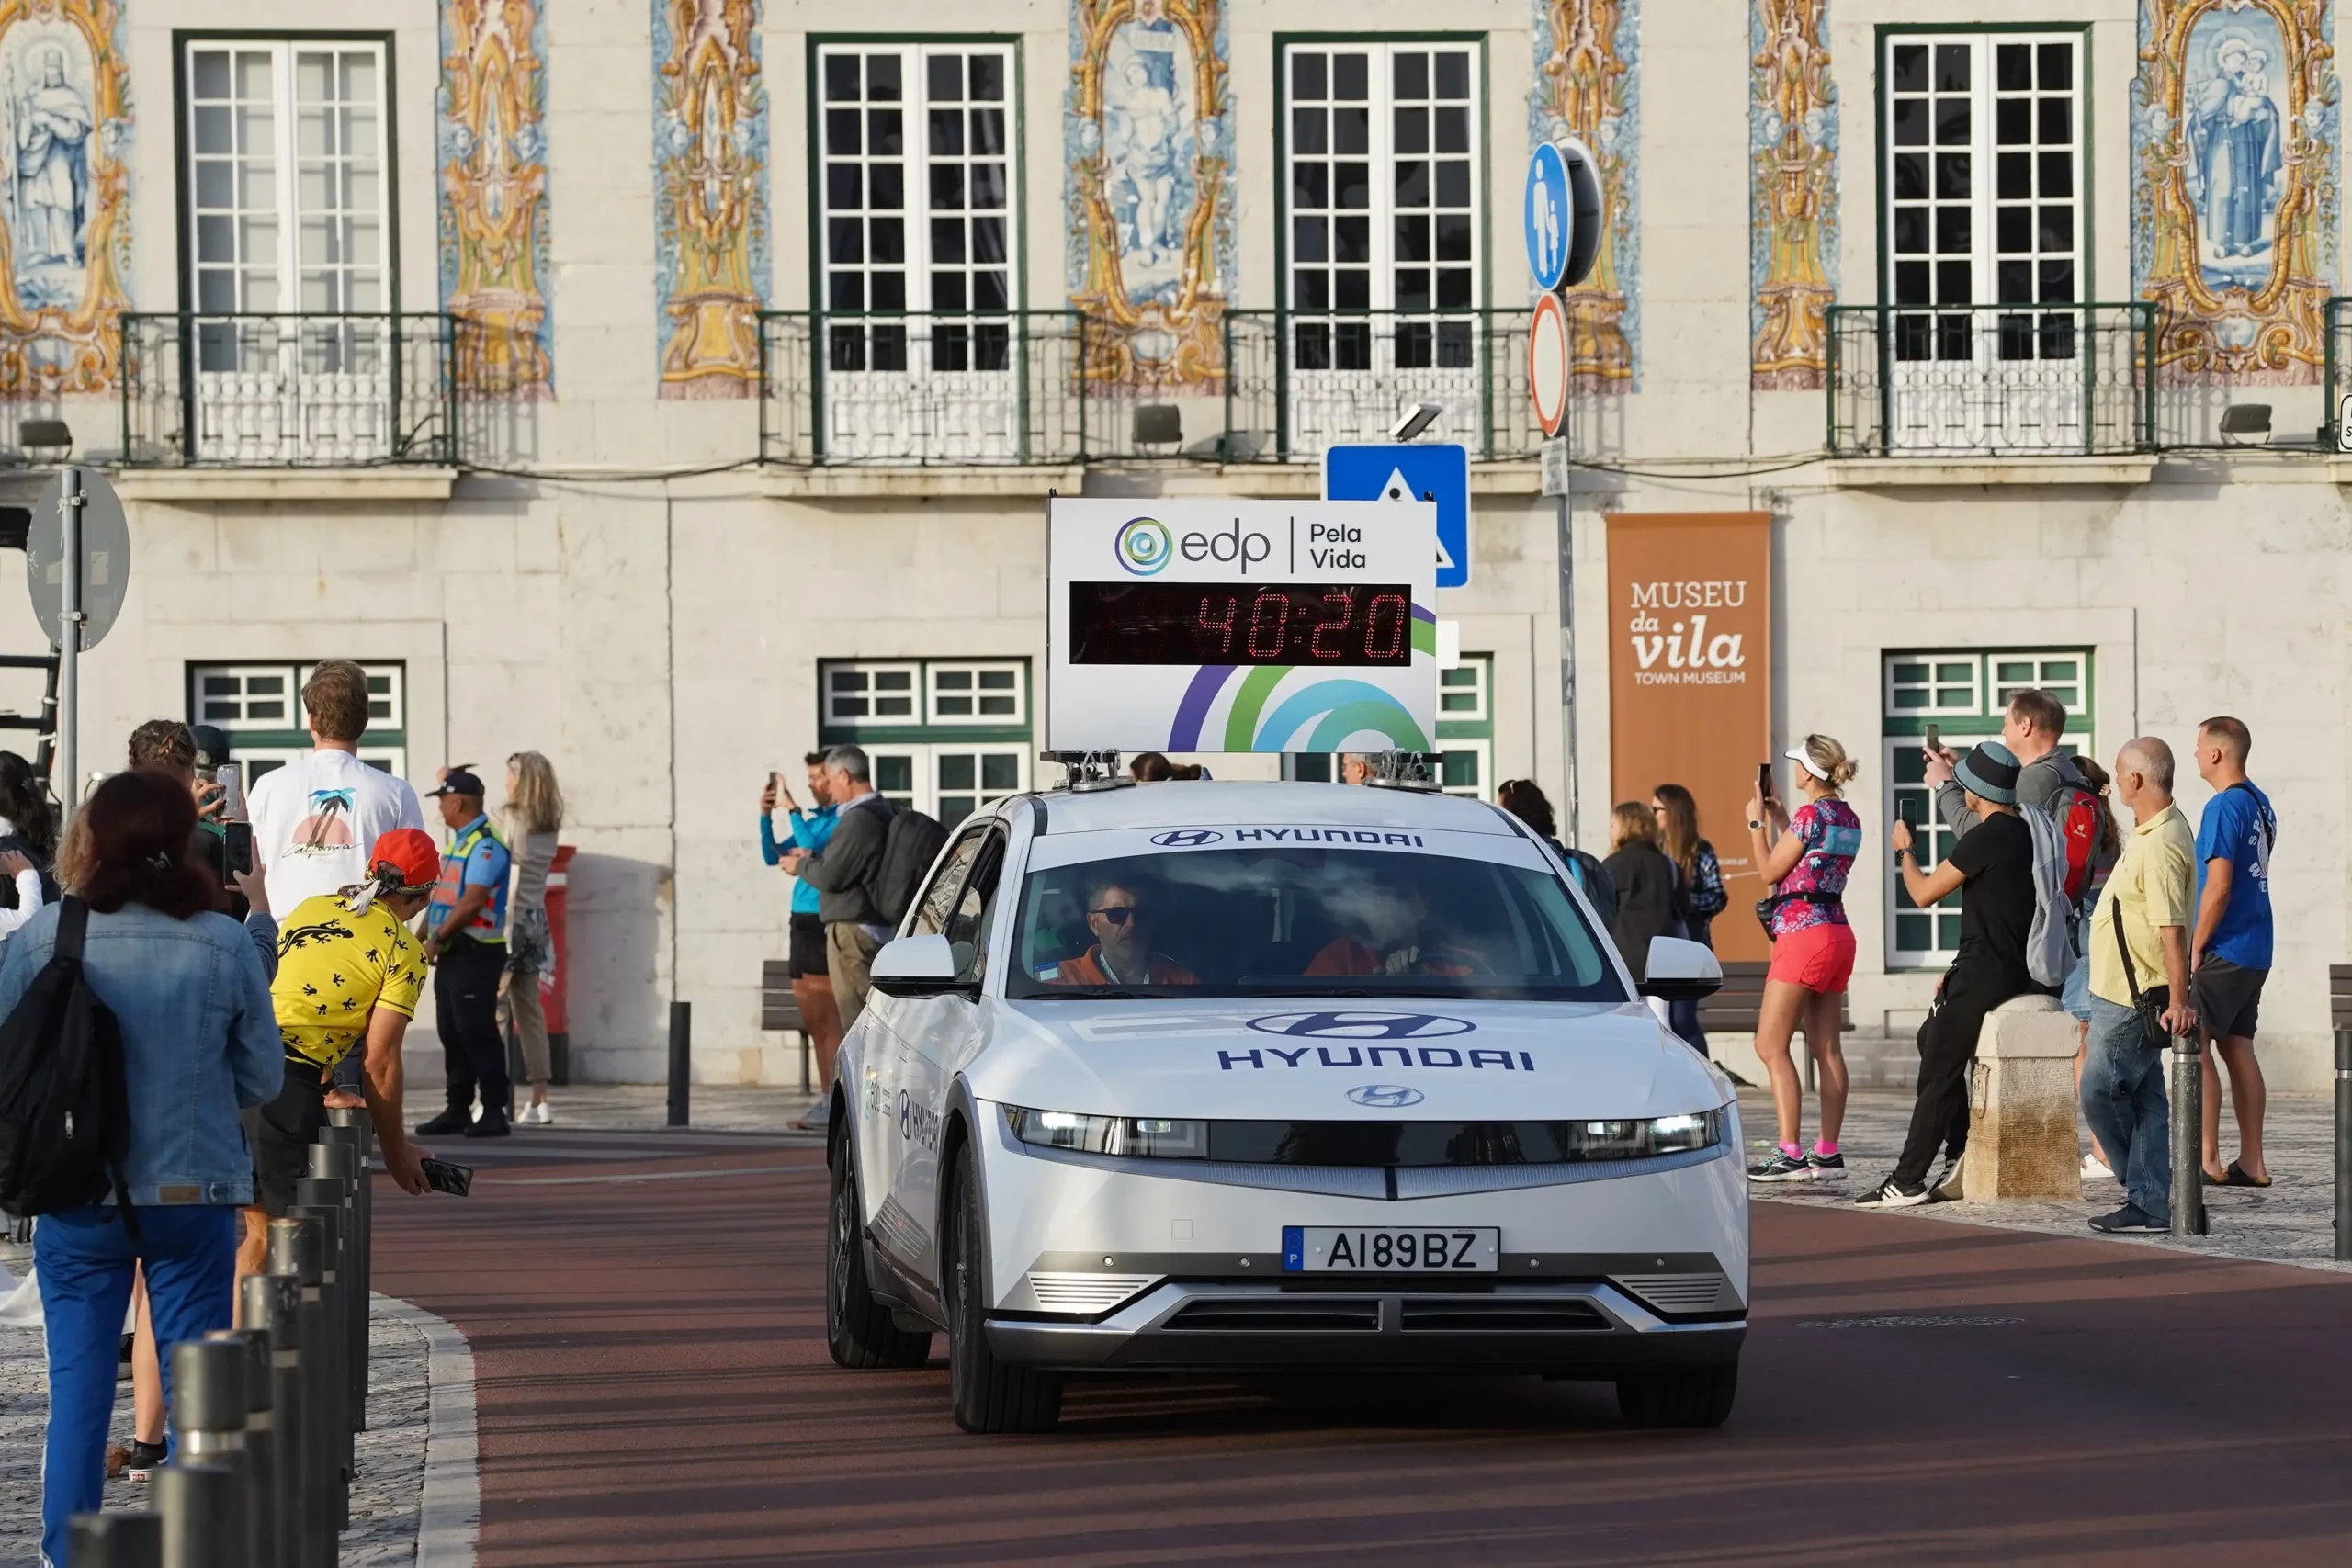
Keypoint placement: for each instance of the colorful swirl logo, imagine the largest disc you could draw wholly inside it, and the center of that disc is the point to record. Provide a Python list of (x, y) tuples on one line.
[(1144, 545), (1274, 707)]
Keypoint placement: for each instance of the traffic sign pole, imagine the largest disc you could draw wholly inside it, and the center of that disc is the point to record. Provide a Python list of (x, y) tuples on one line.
[(69, 646)]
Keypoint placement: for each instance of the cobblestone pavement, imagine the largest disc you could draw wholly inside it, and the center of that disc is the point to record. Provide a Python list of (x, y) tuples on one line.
[(2291, 1221), (390, 1452), (712, 1108)]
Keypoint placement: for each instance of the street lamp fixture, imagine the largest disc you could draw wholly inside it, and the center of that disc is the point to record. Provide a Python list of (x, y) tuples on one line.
[(46, 440)]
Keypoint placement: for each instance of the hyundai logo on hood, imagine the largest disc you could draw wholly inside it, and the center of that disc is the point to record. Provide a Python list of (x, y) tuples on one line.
[(1360, 1025), (1385, 1095)]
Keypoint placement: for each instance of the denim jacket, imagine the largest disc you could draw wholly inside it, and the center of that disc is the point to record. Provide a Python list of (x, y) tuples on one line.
[(199, 1039)]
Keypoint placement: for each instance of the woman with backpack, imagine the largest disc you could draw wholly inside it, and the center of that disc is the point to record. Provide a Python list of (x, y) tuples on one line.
[(199, 1039), (1649, 890), (1703, 890), (1524, 799), (1806, 860)]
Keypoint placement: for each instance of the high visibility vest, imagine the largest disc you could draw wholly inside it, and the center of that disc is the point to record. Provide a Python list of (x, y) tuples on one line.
[(489, 923)]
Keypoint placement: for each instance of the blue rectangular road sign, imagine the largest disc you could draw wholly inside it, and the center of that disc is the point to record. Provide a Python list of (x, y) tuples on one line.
[(1391, 472)]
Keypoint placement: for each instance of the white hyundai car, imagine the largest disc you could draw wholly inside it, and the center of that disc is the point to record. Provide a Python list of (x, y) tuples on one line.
[(1197, 1076)]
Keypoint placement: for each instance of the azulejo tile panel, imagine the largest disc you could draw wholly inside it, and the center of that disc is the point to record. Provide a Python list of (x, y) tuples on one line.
[(64, 195), (710, 170), (1792, 152), (492, 151), (2234, 186), (1147, 126), (1587, 83)]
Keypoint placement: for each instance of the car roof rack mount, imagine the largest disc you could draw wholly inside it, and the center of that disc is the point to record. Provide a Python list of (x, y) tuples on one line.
[(1089, 769)]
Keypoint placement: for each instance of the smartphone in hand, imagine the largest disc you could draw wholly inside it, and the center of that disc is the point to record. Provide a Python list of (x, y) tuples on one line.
[(1935, 741), (444, 1176), (1764, 782)]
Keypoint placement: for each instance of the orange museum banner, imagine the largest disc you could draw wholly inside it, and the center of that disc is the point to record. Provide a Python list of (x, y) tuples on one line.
[(1689, 680)]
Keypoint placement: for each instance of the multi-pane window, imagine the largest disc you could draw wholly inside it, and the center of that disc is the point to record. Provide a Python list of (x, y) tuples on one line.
[(259, 707), (944, 736), (1383, 203), (1964, 694), (917, 185), (285, 178), (1983, 175)]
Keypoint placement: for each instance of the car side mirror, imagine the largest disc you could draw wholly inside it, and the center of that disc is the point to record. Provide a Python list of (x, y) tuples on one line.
[(918, 967), (1677, 971)]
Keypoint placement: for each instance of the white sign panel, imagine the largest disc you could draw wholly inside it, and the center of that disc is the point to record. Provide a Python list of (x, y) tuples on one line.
[(1241, 625)]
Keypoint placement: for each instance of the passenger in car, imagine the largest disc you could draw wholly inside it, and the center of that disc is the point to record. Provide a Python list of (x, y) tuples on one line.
[(1120, 917), (1406, 947)]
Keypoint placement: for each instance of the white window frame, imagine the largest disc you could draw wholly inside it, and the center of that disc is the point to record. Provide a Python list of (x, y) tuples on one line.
[(831, 716), (937, 695), (1993, 370), (293, 162), (392, 699), (923, 758), (291, 698), (1998, 696), (1932, 841), (1484, 789), (1381, 156), (1481, 670), (260, 759), (1974, 704)]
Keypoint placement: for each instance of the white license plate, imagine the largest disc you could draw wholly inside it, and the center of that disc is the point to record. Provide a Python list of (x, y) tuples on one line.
[(1390, 1249)]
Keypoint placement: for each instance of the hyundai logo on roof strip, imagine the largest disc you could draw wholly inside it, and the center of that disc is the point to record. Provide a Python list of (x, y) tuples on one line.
[(1186, 838)]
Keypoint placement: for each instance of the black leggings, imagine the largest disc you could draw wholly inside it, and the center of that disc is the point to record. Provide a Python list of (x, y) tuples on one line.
[(1947, 1045)]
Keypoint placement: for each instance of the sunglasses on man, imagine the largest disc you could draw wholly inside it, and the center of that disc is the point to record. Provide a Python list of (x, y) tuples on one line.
[(1121, 914)]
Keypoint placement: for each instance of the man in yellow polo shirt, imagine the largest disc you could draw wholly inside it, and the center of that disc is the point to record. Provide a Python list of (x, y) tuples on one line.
[(2138, 947), (348, 975)]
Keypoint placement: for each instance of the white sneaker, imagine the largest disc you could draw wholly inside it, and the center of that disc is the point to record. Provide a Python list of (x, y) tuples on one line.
[(2094, 1171), (538, 1115)]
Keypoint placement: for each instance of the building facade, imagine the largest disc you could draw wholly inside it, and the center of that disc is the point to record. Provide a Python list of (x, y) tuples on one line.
[(674, 386)]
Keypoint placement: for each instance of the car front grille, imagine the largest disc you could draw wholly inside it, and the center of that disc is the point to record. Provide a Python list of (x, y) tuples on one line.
[(1672, 1292), (1085, 1292), (1258, 1314), (1498, 1314)]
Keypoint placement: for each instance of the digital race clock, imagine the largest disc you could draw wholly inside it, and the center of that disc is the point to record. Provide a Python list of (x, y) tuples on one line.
[(1332, 624)]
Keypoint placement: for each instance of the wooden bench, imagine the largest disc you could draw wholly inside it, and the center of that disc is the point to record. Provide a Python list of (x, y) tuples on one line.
[(780, 1011)]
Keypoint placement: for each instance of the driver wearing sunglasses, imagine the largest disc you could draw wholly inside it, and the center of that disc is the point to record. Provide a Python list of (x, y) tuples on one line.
[(1120, 919)]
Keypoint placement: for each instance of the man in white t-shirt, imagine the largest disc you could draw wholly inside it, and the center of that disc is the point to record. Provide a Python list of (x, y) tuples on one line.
[(313, 820)]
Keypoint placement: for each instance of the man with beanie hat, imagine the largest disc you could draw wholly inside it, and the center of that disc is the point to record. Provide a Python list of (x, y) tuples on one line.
[(1992, 868)]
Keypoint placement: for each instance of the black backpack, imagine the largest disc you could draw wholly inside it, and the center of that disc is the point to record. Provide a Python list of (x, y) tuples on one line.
[(908, 846), (64, 1105)]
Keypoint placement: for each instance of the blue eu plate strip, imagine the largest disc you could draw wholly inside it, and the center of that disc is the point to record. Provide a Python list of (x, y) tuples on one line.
[(1293, 1248)]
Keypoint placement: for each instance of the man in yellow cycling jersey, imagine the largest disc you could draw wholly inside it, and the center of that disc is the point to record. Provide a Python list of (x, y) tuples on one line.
[(348, 975)]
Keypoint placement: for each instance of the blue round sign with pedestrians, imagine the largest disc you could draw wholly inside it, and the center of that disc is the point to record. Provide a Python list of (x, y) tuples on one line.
[(1550, 220)]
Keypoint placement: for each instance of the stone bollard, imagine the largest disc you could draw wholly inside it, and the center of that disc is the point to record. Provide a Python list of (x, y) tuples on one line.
[(202, 1502), (335, 1158), (208, 1415), (323, 1201), (261, 1438), (2021, 1103), (297, 1249), (271, 1304)]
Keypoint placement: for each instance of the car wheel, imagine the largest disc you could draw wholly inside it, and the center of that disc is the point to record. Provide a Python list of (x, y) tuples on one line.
[(858, 1329), (988, 1394), (1683, 1397)]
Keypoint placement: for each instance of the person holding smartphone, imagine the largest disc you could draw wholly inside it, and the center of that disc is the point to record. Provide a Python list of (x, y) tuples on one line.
[(1805, 859), (812, 982)]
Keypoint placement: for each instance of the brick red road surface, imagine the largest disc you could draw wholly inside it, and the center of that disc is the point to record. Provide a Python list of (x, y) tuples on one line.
[(654, 1390)]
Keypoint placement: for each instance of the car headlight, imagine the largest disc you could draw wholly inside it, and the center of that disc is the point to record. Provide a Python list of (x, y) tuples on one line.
[(1136, 1137), (1640, 1140)]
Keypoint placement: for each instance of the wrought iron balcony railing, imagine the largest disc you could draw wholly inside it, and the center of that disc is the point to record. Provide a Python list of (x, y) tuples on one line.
[(1299, 382), (287, 390), (1992, 381)]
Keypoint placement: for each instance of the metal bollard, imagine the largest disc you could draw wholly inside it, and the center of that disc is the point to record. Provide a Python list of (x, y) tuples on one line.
[(272, 1305), (115, 1540), (208, 1415), (201, 1501), (297, 1247), (363, 1132), (2344, 1145), (682, 1059), (335, 1158), (317, 1200), (260, 1444), (2188, 1137)]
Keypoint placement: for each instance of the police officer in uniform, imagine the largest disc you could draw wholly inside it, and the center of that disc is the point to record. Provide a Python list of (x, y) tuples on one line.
[(465, 939)]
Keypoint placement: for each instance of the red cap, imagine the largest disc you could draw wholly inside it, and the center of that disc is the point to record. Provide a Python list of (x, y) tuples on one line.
[(410, 853)]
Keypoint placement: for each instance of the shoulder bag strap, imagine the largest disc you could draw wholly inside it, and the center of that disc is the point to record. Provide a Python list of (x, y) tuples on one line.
[(73, 920), (2261, 815), (2130, 976)]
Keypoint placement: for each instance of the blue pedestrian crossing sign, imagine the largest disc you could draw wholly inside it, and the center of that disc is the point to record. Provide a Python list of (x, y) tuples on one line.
[(1414, 472), (1549, 217)]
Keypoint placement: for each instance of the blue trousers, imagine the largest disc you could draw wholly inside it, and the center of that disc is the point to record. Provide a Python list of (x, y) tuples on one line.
[(83, 1257), (2124, 1101)]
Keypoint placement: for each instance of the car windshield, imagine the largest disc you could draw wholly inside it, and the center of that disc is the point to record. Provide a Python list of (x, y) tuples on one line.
[(1298, 921)]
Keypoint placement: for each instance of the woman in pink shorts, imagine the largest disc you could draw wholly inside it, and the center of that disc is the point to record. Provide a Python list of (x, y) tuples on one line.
[(1806, 860)]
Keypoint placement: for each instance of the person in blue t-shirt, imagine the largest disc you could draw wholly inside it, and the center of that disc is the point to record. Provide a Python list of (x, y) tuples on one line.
[(2230, 954), (812, 984)]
